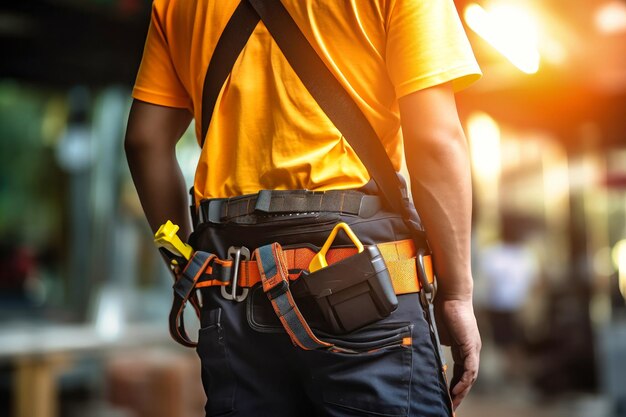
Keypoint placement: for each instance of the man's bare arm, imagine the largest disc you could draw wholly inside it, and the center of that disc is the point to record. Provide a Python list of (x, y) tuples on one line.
[(438, 163), (151, 138)]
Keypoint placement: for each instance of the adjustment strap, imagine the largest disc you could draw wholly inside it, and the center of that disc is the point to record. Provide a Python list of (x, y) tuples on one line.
[(274, 275), (183, 291), (284, 201)]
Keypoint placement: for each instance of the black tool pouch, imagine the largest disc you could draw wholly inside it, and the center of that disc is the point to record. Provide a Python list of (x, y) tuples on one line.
[(349, 294)]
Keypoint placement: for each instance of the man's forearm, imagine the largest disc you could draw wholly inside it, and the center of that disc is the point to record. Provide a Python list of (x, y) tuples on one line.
[(438, 162), (150, 145), (441, 188), (162, 191)]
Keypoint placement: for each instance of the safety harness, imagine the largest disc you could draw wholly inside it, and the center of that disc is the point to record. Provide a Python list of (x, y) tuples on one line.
[(275, 267)]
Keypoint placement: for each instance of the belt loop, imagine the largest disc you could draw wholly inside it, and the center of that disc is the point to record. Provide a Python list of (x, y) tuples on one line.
[(368, 206), (263, 201), (214, 212)]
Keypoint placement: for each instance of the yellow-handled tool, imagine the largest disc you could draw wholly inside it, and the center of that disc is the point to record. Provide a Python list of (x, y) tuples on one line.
[(319, 260), (167, 238)]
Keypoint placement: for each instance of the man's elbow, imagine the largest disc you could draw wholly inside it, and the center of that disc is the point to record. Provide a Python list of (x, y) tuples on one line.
[(154, 128), (437, 147), (136, 142), (141, 139)]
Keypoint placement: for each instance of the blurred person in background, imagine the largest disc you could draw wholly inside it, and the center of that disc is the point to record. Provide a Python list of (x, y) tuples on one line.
[(510, 270), (401, 61)]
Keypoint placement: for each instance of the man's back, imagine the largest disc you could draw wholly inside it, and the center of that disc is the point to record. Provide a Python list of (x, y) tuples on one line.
[(267, 132)]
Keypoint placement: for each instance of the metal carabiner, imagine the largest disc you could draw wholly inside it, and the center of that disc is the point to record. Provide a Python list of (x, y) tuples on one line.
[(237, 254), (429, 289), (427, 298)]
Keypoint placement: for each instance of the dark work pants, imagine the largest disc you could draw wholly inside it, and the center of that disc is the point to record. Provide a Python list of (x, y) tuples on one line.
[(258, 372), (251, 368)]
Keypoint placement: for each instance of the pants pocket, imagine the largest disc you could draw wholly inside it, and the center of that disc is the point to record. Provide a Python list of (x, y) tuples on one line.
[(260, 313), (377, 380), (218, 378)]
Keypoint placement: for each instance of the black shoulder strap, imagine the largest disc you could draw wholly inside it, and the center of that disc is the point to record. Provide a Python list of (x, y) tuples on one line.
[(229, 46), (321, 84)]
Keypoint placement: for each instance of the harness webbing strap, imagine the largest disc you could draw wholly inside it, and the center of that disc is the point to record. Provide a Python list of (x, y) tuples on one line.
[(183, 291), (172, 260), (275, 280), (229, 46), (399, 258)]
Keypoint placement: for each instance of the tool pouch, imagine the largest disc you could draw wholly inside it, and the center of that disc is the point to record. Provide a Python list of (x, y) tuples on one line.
[(349, 294)]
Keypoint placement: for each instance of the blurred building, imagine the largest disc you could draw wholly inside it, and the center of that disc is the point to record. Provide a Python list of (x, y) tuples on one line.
[(547, 133)]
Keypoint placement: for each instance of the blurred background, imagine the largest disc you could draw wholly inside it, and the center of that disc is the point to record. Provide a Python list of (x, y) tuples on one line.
[(84, 296)]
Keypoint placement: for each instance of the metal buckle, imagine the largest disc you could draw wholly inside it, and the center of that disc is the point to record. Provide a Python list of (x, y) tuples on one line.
[(237, 255)]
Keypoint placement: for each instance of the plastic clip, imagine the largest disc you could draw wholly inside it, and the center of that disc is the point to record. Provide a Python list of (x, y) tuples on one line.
[(167, 238)]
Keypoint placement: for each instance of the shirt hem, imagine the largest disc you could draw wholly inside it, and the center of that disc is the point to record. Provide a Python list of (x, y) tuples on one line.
[(161, 99), (461, 77)]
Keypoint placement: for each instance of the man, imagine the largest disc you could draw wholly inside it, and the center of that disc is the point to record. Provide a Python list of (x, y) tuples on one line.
[(401, 62)]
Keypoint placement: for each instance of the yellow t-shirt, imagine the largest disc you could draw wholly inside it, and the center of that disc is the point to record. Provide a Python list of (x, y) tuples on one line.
[(267, 132)]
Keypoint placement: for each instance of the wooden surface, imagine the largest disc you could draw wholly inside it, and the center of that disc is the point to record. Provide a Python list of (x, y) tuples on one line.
[(39, 353)]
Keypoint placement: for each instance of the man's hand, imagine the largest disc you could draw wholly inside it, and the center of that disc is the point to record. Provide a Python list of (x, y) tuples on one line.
[(458, 329)]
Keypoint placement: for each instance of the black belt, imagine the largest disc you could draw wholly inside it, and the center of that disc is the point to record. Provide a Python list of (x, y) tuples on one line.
[(276, 202)]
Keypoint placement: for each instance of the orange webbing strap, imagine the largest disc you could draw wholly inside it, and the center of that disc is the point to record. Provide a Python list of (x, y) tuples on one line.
[(274, 275), (399, 256)]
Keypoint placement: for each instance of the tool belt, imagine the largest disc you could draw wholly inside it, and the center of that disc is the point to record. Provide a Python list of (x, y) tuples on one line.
[(354, 290)]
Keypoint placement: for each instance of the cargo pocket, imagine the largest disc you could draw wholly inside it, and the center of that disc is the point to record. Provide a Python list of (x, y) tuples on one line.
[(374, 381), (217, 375)]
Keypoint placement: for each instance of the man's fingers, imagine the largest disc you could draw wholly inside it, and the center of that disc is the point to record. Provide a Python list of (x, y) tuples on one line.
[(462, 387), (458, 398), (463, 377), (459, 317)]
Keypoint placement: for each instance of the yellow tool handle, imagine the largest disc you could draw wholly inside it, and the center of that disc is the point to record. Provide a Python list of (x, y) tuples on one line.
[(167, 238), (319, 260)]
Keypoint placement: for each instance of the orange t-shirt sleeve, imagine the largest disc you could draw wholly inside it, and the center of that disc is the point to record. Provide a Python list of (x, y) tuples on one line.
[(427, 46), (157, 80)]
